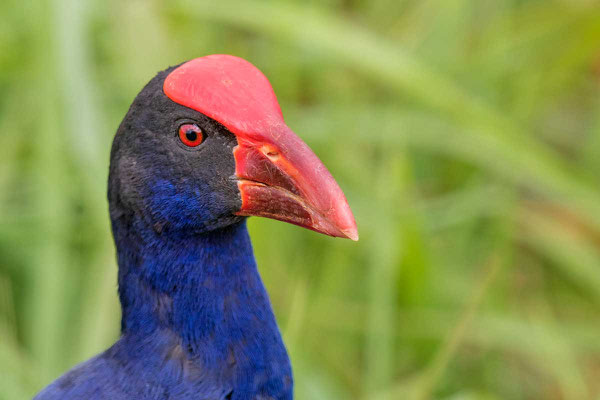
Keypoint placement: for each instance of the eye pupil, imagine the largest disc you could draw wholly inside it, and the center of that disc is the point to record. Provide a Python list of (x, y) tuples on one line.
[(191, 135)]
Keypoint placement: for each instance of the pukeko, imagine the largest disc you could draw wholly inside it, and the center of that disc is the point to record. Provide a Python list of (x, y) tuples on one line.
[(202, 147)]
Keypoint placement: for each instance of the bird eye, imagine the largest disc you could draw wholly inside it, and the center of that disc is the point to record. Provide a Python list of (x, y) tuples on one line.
[(190, 135)]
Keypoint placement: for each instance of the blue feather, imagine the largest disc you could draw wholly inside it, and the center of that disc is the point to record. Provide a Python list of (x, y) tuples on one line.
[(197, 323)]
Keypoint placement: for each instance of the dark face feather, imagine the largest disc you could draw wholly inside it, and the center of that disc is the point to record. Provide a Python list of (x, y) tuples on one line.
[(171, 186)]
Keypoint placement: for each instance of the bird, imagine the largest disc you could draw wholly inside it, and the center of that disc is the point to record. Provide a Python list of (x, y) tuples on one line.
[(202, 147)]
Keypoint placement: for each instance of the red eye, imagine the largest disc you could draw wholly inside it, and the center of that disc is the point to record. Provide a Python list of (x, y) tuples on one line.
[(190, 135)]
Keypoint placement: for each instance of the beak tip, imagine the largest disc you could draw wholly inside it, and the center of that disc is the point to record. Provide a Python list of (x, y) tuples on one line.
[(351, 233), (352, 236)]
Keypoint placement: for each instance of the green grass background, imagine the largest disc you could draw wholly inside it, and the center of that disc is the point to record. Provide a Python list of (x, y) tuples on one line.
[(465, 134)]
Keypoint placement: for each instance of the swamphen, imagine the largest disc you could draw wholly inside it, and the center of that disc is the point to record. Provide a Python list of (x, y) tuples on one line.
[(203, 146)]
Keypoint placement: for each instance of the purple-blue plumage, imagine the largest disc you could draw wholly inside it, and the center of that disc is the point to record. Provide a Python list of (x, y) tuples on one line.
[(197, 323)]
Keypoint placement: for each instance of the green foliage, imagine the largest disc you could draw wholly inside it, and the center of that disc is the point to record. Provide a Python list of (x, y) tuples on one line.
[(465, 134)]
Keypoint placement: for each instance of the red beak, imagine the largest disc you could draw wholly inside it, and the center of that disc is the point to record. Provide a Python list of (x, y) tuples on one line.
[(286, 181), (278, 175)]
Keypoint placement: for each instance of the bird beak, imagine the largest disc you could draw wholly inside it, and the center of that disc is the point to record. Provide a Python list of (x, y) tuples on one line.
[(284, 180), (278, 175)]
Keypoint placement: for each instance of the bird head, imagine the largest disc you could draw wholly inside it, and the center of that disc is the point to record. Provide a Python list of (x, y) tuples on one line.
[(204, 145)]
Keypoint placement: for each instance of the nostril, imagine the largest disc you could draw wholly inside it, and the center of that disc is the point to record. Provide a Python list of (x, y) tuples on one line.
[(270, 152)]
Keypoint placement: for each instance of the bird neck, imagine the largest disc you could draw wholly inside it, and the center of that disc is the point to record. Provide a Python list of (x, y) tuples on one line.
[(202, 294)]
